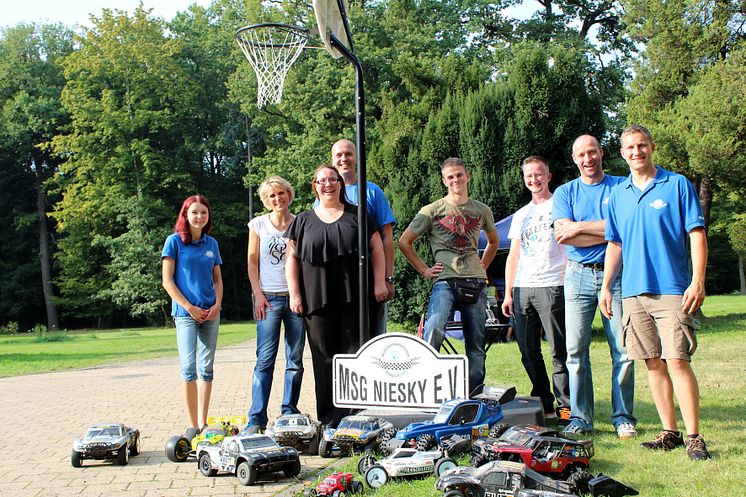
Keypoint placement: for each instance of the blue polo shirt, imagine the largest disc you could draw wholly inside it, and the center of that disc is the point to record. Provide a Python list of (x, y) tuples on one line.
[(193, 270), (578, 201), (653, 227), (378, 204)]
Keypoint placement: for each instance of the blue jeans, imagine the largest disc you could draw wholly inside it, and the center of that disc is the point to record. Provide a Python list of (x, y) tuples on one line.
[(582, 289), (196, 343), (440, 311), (267, 344), (535, 308)]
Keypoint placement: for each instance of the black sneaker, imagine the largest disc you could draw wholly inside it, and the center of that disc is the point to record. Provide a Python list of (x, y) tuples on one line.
[(665, 440), (696, 448)]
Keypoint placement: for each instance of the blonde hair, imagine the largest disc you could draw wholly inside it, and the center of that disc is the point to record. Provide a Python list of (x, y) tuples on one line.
[(275, 183)]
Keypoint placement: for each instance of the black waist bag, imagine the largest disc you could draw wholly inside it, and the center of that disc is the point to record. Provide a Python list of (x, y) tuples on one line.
[(467, 290)]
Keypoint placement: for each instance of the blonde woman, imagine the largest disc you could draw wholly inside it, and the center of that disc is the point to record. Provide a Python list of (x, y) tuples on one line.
[(267, 255)]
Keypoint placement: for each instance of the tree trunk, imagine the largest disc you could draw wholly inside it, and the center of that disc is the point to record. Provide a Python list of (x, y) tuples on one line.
[(44, 257), (705, 198), (741, 276)]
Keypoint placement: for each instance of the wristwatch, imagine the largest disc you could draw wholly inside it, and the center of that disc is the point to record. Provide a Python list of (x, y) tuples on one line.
[(391, 279)]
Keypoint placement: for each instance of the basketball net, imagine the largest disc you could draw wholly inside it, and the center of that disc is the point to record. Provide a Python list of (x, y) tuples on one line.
[(271, 49)]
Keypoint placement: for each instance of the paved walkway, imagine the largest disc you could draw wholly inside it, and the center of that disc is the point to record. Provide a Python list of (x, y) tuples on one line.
[(42, 414)]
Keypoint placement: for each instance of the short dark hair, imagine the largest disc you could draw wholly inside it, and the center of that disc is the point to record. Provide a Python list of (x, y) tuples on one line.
[(452, 161)]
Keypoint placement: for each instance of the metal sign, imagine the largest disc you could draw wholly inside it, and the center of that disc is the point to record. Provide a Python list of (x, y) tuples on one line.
[(398, 370)]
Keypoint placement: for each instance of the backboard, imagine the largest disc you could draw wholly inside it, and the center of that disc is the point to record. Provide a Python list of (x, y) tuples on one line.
[(330, 18)]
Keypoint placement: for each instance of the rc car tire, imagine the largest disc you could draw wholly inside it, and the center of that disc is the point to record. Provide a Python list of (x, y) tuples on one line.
[(376, 476), (383, 440), (425, 442), (357, 487), (123, 455), (76, 459), (454, 493), (292, 470), (135, 447), (324, 448), (246, 474), (579, 479), (309, 492), (444, 465), (205, 466), (313, 444), (498, 429), (178, 448), (364, 463), (339, 493)]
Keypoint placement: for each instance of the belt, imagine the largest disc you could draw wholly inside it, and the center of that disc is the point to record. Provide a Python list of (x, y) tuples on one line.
[(596, 266), (276, 294)]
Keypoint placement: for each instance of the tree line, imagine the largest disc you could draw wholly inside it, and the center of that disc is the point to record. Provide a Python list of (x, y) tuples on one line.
[(104, 130)]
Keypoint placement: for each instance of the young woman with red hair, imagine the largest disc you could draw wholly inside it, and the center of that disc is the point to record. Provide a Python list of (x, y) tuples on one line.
[(192, 278)]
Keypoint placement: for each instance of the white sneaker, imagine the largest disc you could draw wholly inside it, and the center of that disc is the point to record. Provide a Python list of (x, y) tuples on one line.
[(626, 431)]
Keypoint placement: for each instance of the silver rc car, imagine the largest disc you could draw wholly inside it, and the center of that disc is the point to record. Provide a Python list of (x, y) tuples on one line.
[(106, 441), (297, 430)]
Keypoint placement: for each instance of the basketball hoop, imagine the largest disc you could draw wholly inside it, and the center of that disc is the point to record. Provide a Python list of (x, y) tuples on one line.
[(271, 49)]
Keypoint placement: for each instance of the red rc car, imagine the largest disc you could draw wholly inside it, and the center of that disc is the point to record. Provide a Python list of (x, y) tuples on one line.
[(335, 485), (538, 448)]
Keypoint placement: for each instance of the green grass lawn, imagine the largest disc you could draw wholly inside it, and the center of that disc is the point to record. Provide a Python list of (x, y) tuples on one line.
[(29, 353), (719, 366)]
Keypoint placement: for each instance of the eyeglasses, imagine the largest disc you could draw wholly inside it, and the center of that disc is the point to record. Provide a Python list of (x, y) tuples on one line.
[(324, 181)]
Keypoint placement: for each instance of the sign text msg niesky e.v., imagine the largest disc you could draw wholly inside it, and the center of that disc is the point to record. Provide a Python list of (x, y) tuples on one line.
[(398, 370)]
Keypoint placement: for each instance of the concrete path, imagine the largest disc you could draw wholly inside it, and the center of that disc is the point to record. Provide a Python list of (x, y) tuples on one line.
[(42, 414)]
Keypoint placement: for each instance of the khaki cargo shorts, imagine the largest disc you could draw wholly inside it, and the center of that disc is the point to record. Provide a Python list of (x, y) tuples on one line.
[(656, 327)]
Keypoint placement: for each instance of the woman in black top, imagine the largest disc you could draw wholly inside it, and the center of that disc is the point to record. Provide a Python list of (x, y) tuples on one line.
[(322, 274)]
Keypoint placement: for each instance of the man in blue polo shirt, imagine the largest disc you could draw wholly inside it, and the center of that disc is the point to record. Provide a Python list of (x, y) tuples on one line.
[(650, 215), (579, 213), (344, 159)]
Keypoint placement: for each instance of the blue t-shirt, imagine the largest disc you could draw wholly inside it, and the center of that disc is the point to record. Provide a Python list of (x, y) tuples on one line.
[(378, 204), (653, 227), (193, 270), (578, 201)]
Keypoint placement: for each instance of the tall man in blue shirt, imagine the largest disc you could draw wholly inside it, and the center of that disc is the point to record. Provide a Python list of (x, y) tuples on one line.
[(650, 215), (344, 160), (580, 209)]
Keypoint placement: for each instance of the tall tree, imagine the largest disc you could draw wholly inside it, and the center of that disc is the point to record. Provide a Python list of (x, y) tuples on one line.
[(30, 85), (129, 146)]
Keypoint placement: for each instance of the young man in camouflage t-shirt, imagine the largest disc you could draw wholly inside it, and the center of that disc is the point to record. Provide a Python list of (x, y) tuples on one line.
[(452, 225)]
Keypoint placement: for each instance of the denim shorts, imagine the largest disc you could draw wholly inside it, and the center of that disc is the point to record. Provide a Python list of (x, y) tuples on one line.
[(196, 343)]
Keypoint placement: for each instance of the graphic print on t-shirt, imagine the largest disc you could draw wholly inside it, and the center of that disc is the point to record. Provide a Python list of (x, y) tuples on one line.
[(459, 228), (277, 248)]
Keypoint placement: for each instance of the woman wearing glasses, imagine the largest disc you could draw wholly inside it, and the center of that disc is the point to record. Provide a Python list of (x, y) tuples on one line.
[(322, 275)]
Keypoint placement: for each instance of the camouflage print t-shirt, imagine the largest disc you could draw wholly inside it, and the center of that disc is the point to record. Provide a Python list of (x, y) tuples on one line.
[(454, 233)]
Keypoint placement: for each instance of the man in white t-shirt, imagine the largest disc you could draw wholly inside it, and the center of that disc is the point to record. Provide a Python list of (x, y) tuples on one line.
[(534, 289)]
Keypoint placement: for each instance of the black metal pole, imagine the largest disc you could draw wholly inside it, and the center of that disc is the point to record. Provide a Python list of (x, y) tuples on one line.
[(362, 191)]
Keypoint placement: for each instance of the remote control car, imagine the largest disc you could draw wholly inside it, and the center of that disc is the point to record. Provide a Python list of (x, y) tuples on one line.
[(527, 434), (353, 434), (246, 456), (179, 448), (457, 417), (453, 445), (403, 462), (106, 441), (553, 456), (506, 478), (336, 485), (297, 430)]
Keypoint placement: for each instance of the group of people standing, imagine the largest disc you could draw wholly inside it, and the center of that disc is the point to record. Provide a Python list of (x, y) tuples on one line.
[(565, 261)]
